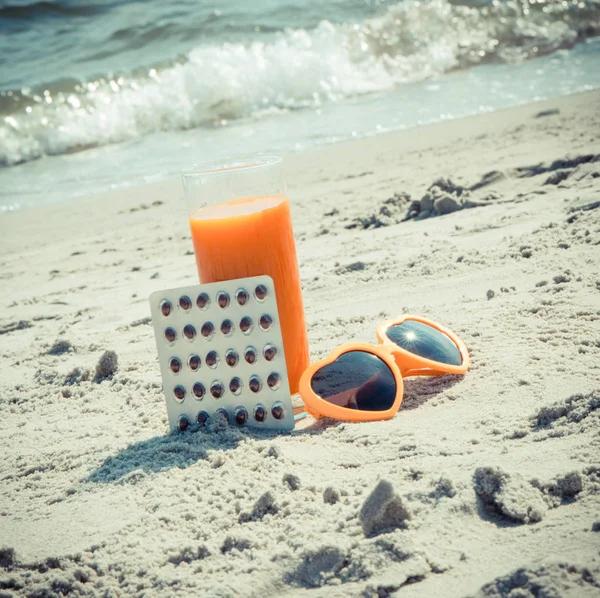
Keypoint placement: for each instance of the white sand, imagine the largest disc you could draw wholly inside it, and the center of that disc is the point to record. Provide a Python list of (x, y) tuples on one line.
[(96, 499)]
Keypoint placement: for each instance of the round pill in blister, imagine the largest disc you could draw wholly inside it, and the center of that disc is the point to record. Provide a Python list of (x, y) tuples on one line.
[(203, 301), (165, 308), (278, 411), (194, 362), (265, 322), (212, 359), (273, 381), (184, 423), (179, 392), (235, 386), (269, 352), (241, 416), (226, 327), (189, 332), (231, 357), (246, 325), (170, 335), (250, 355), (198, 390), (223, 413), (260, 413), (217, 389), (223, 299), (260, 292), (202, 417), (185, 303), (242, 296), (255, 383), (175, 365), (207, 330)]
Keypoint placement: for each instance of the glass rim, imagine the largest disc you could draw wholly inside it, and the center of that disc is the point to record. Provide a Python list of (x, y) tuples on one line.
[(235, 163)]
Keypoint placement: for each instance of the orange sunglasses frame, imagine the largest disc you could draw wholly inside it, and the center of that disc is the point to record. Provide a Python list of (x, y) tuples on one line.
[(401, 362), (411, 364), (318, 407)]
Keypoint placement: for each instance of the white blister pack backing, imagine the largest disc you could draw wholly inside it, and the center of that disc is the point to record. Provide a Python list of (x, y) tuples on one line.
[(221, 354)]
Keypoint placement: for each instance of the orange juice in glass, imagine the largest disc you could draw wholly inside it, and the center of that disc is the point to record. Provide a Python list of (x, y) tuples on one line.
[(241, 226)]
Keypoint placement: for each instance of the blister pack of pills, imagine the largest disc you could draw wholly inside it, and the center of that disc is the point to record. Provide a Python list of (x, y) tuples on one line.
[(221, 354)]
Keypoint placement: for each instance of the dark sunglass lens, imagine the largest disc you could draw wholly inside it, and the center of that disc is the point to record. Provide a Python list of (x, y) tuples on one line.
[(170, 335), (356, 380), (175, 365), (250, 355), (179, 393), (165, 308), (425, 341), (184, 423), (202, 301), (198, 390)]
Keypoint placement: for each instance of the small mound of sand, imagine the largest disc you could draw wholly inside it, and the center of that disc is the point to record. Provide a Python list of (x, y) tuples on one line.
[(330, 495), (383, 510), (292, 481), (265, 505), (107, 365), (8, 557), (564, 414), (509, 496), (76, 376), (317, 566), (189, 554), (442, 197), (564, 488), (392, 211), (569, 487), (443, 488), (558, 579), (60, 346)]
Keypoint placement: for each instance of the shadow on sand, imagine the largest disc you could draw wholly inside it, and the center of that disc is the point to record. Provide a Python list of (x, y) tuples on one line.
[(180, 450)]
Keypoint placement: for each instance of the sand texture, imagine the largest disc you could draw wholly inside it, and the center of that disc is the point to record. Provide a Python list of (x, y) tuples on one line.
[(485, 485)]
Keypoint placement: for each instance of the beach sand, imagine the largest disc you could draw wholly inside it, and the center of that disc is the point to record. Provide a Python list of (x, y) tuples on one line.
[(480, 485)]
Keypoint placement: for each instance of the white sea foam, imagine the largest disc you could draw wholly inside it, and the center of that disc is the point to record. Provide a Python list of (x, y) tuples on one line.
[(291, 70)]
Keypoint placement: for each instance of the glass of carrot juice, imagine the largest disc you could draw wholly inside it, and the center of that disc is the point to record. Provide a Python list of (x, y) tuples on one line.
[(241, 226)]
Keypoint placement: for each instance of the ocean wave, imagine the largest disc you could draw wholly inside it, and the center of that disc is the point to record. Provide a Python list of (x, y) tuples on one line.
[(290, 70), (44, 8)]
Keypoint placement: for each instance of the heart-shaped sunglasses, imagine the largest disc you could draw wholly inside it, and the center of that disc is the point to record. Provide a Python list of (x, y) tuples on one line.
[(363, 382)]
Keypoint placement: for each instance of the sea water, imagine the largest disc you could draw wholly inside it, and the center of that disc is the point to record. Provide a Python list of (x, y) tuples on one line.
[(100, 95)]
